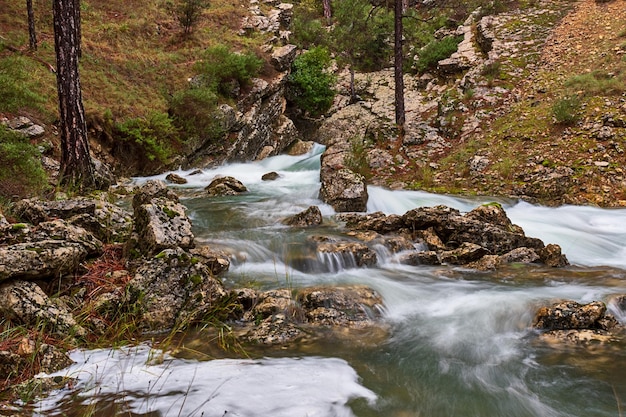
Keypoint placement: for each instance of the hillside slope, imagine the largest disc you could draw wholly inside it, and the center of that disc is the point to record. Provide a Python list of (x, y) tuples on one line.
[(562, 139)]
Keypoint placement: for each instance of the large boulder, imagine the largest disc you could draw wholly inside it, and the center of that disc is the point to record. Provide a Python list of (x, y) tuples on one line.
[(224, 186), (344, 190), (160, 222), (285, 316), (106, 221), (173, 290), (50, 249)]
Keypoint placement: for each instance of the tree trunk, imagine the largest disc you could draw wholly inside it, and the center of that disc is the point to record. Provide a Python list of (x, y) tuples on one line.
[(398, 71), (77, 168), (327, 11), (32, 36)]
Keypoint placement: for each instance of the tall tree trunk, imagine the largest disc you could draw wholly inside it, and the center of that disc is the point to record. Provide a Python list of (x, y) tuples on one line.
[(327, 11), (398, 71), (79, 31), (77, 168), (32, 36)]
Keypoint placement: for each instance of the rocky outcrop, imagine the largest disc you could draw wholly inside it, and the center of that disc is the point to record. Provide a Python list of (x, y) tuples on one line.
[(25, 303), (284, 316), (105, 220), (344, 189), (483, 238), (160, 222), (569, 321), (173, 290), (50, 249), (466, 55), (224, 186)]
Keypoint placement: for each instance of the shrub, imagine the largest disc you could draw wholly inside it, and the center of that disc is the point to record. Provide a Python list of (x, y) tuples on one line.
[(152, 136), (193, 111), (187, 12), (14, 88), (565, 110), (311, 86), (220, 67), (435, 51), (21, 173)]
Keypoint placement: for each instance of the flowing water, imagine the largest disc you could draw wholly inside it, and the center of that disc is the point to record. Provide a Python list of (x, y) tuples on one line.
[(459, 342)]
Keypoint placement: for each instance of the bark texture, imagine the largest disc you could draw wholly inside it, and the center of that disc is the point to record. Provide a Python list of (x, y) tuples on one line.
[(76, 165), (32, 35)]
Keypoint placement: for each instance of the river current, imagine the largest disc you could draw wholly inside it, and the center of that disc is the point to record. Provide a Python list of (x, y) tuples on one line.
[(459, 343)]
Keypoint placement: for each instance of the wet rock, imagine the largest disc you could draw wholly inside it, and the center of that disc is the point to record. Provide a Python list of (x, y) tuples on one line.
[(275, 330), (416, 258), (175, 178), (270, 176), (217, 261), (570, 315), (464, 254), (273, 302), (225, 186), (340, 306), (312, 216), (377, 221), (26, 303), (571, 322), (285, 316), (551, 255), (461, 239), (352, 254), (344, 190), (172, 290)]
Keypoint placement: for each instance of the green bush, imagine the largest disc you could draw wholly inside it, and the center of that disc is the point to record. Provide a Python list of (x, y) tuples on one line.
[(219, 67), (310, 85), (153, 136), (21, 173), (565, 110), (435, 51), (15, 91), (193, 111)]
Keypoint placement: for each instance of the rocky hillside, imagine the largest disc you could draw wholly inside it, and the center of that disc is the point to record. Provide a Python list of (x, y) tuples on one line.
[(532, 105)]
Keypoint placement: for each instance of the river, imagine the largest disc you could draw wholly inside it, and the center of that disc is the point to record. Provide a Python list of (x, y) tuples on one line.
[(459, 341)]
